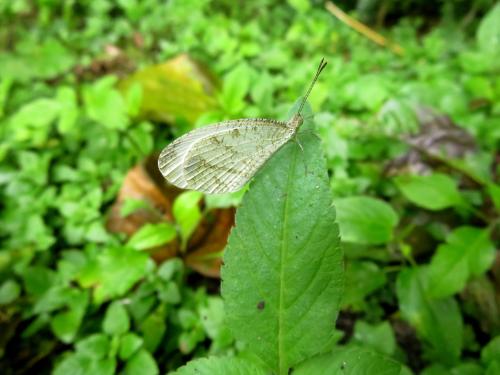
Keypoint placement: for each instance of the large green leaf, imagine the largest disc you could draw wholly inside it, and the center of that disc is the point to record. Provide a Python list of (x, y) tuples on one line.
[(349, 361), (433, 192), (220, 366), (282, 274), (438, 321), (468, 252), (365, 220)]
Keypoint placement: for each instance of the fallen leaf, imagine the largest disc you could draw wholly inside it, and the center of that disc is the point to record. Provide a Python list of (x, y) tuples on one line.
[(145, 183), (177, 88)]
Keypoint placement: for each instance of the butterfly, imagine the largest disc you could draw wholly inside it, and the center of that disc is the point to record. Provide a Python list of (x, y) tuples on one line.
[(223, 157)]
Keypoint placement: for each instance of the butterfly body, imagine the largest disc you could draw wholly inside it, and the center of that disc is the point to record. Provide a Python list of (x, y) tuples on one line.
[(223, 157)]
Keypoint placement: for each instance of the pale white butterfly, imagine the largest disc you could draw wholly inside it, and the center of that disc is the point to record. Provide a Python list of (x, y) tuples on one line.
[(223, 157)]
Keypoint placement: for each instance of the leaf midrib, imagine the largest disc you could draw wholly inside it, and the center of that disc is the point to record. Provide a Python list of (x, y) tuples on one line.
[(284, 248)]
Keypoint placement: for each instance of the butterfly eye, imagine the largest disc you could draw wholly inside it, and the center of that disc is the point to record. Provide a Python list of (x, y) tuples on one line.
[(296, 121), (300, 119)]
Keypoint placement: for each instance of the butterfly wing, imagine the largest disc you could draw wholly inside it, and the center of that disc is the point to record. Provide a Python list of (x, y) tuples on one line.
[(222, 158)]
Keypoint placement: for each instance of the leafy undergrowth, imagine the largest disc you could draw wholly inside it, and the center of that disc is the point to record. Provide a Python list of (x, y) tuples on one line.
[(97, 258)]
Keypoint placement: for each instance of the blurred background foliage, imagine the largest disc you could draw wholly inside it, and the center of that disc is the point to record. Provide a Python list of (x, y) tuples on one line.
[(104, 269)]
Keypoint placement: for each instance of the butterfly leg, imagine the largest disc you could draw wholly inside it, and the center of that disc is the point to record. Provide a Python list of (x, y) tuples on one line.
[(300, 144)]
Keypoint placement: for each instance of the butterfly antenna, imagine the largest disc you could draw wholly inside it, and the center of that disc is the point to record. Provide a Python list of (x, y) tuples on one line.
[(321, 66)]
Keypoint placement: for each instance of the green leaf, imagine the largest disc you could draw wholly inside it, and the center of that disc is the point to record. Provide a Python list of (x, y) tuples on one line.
[(131, 205), (69, 111), (213, 316), (494, 192), (365, 220), (491, 351), (37, 280), (236, 87), (189, 340), (349, 361), (439, 322), (73, 364), (81, 364), (398, 116), (153, 328), (466, 369), (493, 368), (366, 92), (436, 369), (9, 291), (129, 344), (488, 32), (378, 337), (282, 273), (65, 324), (300, 5), (133, 99), (187, 212), (115, 270), (262, 92), (220, 366), (5, 86), (168, 268), (139, 139), (152, 235), (105, 105), (141, 363), (32, 122), (468, 252), (169, 293), (362, 279), (434, 192), (187, 318), (224, 200), (116, 320), (96, 346), (69, 305)]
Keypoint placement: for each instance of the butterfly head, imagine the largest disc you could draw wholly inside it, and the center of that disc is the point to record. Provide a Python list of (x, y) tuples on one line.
[(296, 121)]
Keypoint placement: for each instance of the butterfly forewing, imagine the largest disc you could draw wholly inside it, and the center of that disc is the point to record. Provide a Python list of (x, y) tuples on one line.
[(223, 157)]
